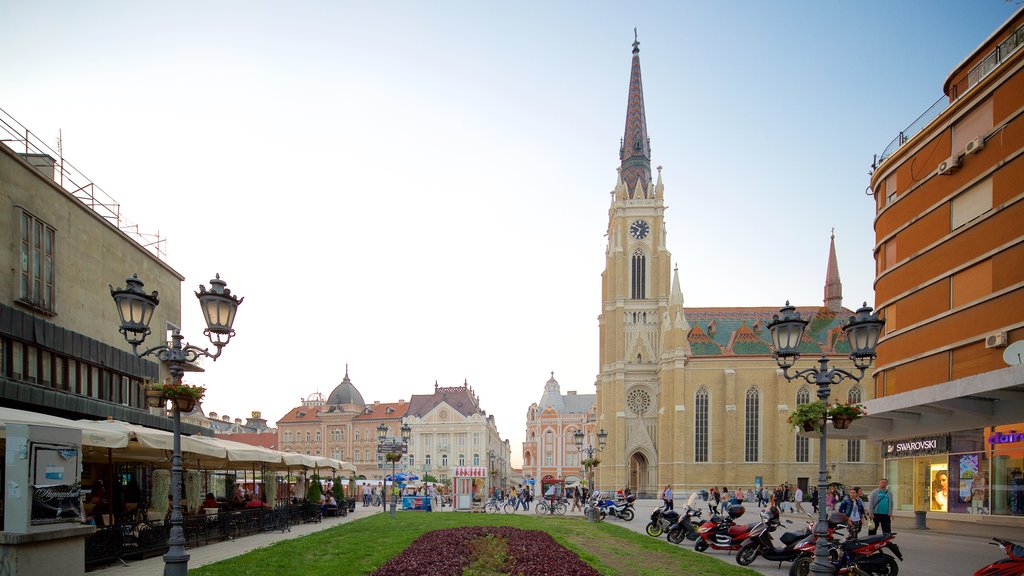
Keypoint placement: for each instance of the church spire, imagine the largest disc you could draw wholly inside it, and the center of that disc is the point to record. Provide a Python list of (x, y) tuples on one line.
[(833, 285), (635, 150)]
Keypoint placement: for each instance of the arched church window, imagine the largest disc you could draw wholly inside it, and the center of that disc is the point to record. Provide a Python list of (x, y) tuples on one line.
[(700, 425), (803, 444), (639, 275), (752, 426), (853, 446)]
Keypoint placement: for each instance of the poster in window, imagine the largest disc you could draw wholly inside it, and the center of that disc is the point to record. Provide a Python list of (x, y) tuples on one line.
[(56, 489), (964, 473), (939, 488)]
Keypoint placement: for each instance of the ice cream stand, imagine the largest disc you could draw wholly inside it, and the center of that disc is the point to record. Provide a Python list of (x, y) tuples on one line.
[(469, 482)]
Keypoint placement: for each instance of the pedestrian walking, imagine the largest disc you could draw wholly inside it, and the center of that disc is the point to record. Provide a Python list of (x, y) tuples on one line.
[(814, 500), (714, 500), (880, 508), (667, 497), (798, 501)]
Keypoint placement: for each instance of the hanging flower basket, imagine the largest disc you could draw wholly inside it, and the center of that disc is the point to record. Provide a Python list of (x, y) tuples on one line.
[(185, 403), (810, 416), (844, 414), (155, 398), (591, 462), (184, 396)]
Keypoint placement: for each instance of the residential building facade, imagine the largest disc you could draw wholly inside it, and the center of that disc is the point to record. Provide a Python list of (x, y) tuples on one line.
[(949, 279)]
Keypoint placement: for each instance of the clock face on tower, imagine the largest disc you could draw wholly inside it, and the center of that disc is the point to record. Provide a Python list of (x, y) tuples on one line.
[(639, 229)]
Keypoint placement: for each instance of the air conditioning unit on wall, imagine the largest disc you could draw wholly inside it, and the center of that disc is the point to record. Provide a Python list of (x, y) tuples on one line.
[(949, 165), (974, 145), (997, 340)]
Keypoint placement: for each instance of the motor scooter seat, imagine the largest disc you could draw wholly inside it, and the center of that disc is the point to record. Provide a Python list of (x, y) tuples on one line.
[(872, 539), (742, 528), (792, 537)]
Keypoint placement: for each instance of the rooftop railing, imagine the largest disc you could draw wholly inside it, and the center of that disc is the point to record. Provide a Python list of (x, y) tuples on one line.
[(987, 65), (56, 168)]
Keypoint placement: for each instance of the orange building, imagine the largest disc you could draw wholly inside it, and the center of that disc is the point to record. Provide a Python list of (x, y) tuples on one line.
[(949, 280)]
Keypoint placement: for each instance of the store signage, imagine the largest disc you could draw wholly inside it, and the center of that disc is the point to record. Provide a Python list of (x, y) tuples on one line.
[(1008, 438), (921, 446)]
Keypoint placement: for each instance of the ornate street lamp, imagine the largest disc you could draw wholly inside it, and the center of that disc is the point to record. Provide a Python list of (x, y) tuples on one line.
[(136, 307), (382, 434), (602, 439), (862, 331)]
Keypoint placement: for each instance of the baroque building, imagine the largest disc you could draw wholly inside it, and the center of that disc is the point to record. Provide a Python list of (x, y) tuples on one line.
[(549, 449), (449, 429), (341, 426), (692, 396)]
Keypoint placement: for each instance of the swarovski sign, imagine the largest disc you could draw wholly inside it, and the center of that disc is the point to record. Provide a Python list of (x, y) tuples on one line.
[(921, 446)]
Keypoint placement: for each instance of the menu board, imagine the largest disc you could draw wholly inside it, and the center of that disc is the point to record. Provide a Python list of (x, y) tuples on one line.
[(56, 487)]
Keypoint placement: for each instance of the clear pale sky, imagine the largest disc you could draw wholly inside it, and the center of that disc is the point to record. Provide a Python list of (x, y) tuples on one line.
[(420, 189)]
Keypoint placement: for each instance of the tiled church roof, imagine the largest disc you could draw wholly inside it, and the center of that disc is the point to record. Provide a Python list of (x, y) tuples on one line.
[(744, 332)]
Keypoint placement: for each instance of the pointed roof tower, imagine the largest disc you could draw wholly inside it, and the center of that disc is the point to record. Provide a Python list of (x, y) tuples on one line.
[(635, 149), (833, 285)]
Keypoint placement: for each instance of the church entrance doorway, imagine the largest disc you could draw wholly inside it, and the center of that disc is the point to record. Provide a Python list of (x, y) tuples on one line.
[(640, 480)]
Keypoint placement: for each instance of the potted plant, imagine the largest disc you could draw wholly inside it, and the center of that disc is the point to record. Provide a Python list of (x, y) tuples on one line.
[(843, 414), (810, 416), (339, 496), (393, 457), (352, 493), (591, 462), (184, 395)]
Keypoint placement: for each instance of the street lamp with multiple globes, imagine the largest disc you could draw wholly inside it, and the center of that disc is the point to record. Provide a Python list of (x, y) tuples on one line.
[(136, 308), (391, 449), (602, 440), (862, 332)]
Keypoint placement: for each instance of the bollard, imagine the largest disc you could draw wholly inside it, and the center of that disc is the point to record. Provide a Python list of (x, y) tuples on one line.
[(393, 505), (919, 521)]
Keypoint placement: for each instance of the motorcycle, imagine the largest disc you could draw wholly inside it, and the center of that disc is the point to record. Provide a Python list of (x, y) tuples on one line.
[(661, 521), (621, 509), (866, 554), (722, 533), (684, 529), (1012, 565)]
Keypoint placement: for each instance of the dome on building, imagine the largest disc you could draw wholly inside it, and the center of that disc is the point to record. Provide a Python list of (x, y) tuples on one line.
[(345, 393), (552, 395)]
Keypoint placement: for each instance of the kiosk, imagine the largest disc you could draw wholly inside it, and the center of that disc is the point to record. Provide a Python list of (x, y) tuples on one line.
[(470, 482)]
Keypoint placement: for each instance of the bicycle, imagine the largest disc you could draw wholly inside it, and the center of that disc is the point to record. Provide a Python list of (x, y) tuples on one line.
[(493, 505)]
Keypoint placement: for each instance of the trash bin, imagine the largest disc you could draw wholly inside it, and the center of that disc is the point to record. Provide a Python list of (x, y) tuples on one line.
[(919, 521)]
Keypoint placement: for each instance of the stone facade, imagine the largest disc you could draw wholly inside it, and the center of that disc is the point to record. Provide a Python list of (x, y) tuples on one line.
[(692, 396)]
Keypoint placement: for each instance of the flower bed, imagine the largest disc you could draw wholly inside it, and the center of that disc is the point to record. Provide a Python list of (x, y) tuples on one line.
[(447, 552)]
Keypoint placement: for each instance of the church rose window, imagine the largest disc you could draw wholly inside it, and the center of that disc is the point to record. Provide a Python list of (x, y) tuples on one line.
[(639, 401)]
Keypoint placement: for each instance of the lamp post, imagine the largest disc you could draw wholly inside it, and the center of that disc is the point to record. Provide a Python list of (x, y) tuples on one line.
[(136, 307), (602, 440), (394, 453), (862, 331)]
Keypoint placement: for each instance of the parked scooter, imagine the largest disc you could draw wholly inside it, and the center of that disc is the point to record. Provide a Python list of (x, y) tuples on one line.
[(684, 529), (1012, 565), (760, 541), (722, 533), (661, 521), (867, 554)]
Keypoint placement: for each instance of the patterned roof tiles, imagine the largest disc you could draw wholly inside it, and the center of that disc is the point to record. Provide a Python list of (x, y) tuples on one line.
[(744, 331)]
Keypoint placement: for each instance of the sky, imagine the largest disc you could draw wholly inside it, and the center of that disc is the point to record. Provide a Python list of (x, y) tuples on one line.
[(419, 190)]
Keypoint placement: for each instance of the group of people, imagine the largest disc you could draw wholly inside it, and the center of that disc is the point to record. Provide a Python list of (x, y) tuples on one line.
[(719, 500)]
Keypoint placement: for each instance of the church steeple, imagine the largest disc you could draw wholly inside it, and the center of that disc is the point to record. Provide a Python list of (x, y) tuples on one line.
[(635, 150), (833, 285)]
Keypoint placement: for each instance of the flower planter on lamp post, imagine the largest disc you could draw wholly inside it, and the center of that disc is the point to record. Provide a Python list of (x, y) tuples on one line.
[(135, 308), (862, 331)]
